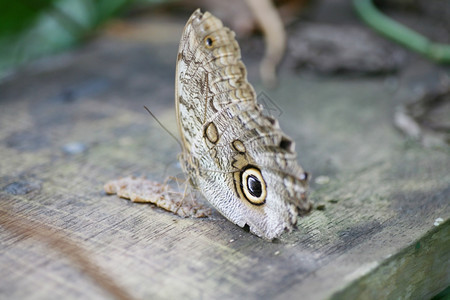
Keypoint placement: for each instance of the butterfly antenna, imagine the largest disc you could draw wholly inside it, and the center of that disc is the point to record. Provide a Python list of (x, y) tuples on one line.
[(163, 127)]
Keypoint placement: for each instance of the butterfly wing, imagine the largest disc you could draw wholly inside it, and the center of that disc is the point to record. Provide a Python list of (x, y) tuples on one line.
[(239, 159)]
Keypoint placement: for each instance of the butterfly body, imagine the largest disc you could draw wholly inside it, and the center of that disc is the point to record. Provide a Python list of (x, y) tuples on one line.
[(239, 159)]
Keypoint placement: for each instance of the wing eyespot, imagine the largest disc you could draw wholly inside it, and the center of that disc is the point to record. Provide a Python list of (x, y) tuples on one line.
[(209, 42), (253, 186)]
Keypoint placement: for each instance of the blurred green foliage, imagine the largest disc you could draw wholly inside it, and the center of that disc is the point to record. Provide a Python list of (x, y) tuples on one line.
[(33, 28), (16, 16)]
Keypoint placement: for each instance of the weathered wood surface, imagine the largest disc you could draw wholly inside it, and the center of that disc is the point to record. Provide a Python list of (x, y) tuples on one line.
[(75, 121)]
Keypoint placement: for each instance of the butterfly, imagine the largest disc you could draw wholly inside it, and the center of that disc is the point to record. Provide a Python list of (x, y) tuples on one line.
[(237, 157)]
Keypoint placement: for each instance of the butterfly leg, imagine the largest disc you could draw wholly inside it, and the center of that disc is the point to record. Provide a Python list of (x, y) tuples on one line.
[(179, 182), (182, 199)]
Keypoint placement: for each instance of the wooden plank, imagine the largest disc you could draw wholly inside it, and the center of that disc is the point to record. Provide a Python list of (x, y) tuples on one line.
[(68, 128)]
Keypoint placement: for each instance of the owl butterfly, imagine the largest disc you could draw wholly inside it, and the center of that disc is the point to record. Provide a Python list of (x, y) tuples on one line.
[(238, 158)]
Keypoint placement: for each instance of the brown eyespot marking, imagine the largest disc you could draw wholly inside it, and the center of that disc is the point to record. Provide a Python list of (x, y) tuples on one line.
[(211, 133), (209, 42), (239, 146), (253, 186)]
